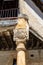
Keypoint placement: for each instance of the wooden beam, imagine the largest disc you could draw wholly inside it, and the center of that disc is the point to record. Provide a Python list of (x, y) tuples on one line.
[(4, 42), (8, 39)]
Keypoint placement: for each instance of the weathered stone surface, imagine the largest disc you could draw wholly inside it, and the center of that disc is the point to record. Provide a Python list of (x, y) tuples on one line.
[(34, 57), (36, 60), (6, 57)]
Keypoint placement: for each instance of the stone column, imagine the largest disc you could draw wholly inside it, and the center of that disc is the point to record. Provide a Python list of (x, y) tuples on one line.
[(20, 36), (21, 59)]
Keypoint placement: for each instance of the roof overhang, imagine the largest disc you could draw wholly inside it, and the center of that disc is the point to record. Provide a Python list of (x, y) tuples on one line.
[(34, 7), (35, 21)]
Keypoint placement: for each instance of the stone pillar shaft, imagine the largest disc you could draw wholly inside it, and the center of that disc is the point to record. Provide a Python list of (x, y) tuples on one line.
[(21, 54), (21, 58)]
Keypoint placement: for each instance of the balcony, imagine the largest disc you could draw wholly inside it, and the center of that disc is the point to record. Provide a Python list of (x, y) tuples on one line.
[(9, 13)]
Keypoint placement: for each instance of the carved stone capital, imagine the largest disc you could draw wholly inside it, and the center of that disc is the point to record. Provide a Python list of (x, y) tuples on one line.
[(21, 31), (20, 34)]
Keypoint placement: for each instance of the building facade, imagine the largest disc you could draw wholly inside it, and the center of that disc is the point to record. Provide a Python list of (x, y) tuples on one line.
[(21, 32)]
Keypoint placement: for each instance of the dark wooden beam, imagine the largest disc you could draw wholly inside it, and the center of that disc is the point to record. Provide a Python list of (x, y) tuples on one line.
[(8, 39)]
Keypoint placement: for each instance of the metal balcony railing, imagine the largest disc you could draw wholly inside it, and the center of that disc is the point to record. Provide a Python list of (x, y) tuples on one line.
[(9, 13)]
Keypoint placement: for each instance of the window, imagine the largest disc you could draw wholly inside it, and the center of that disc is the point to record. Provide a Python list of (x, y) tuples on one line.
[(14, 62)]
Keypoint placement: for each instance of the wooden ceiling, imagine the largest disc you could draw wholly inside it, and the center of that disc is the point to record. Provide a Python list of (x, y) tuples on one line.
[(7, 42)]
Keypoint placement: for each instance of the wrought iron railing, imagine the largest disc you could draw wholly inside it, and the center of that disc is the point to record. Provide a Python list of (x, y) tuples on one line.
[(9, 13)]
